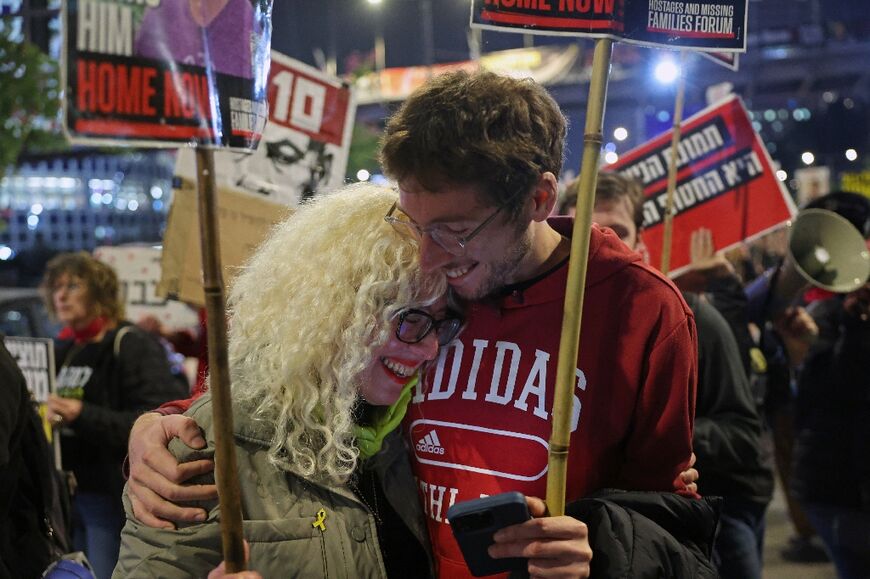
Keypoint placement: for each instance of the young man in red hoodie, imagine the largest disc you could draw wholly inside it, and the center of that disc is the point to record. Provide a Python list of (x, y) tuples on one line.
[(476, 159)]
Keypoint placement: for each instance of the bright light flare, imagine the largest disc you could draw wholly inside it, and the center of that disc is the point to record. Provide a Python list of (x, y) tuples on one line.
[(667, 71)]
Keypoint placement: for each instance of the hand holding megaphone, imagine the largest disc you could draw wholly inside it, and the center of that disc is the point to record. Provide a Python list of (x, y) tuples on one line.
[(798, 331)]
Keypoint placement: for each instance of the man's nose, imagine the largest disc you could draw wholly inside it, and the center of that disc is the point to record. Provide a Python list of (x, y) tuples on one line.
[(432, 255)]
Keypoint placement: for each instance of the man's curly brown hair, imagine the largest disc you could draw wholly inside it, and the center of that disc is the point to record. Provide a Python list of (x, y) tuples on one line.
[(494, 132)]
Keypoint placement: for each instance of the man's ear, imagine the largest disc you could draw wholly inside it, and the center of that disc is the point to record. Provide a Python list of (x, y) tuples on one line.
[(545, 196)]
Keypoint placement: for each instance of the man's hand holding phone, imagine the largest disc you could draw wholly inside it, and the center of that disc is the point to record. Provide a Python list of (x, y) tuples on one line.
[(555, 546), (509, 531)]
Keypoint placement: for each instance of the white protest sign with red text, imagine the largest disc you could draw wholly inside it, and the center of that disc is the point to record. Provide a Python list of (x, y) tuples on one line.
[(305, 144), (726, 182)]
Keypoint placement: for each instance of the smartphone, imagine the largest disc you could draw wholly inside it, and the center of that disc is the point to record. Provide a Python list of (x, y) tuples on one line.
[(474, 523)]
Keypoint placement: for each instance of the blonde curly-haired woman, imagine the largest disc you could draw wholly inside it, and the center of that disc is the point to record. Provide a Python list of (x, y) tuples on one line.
[(331, 322)]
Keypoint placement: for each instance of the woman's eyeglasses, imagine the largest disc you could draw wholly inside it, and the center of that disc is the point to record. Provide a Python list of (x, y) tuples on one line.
[(415, 325)]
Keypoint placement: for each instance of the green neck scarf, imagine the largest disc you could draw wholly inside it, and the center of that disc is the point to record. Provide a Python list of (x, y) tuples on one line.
[(369, 438)]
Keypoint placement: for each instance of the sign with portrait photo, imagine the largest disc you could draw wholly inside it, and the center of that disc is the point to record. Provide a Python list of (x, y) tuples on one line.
[(166, 72), (305, 144)]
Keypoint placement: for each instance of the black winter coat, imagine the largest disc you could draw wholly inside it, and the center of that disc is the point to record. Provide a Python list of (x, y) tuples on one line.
[(832, 445), (119, 388), (32, 530), (655, 535)]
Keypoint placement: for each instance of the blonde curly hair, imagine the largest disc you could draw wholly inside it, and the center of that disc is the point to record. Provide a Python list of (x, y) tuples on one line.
[(307, 311)]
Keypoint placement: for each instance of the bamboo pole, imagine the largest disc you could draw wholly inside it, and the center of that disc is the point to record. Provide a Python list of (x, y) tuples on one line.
[(577, 265), (229, 494), (672, 167)]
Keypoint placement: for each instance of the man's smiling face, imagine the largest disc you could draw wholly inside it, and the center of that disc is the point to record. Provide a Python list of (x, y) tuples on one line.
[(492, 259)]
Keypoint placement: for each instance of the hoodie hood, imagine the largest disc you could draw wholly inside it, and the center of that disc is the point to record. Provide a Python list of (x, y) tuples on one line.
[(609, 253), (608, 256)]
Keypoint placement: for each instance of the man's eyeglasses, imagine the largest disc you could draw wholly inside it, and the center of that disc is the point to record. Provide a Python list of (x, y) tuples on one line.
[(415, 325), (448, 240)]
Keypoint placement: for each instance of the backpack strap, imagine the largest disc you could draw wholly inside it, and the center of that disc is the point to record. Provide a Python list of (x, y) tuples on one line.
[(120, 336)]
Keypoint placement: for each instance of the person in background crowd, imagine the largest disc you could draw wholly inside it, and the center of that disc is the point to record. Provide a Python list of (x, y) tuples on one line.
[(831, 475), (326, 342), (727, 423), (108, 372), (32, 535), (787, 340), (184, 342), (476, 158)]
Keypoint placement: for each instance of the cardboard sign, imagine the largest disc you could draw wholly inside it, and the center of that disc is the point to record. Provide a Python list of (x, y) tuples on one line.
[(707, 25), (138, 269), (243, 223), (726, 182), (305, 145), (166, 72)]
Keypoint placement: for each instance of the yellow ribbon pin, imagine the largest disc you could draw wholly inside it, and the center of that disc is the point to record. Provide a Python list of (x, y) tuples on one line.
[(319, 521)]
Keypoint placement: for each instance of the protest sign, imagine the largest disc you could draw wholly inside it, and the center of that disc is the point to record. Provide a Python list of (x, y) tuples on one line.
[(706, 25), (305, 144), (730, 60), (166, 72), (138, 269), (726, 182), (545, 64), (858, 182), (35, 358), (244, 223)]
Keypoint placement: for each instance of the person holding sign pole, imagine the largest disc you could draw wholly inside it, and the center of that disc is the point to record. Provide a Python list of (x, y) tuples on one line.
[(476, 157)]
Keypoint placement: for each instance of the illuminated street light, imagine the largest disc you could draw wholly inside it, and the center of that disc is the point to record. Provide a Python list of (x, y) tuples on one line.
[(781, 175), (363, 175), (808, 158), (667, 71), (851, 154), (611, 157), (620, 133)]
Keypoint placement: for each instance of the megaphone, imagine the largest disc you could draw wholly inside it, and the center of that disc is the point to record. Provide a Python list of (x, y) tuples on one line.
[(825, 250)]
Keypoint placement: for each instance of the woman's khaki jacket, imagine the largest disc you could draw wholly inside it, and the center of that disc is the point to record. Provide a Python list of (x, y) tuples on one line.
[(280, 511)]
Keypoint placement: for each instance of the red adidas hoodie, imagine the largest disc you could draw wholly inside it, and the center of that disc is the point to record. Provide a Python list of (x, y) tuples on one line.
[(481, 424)]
